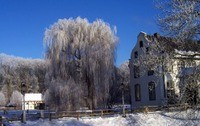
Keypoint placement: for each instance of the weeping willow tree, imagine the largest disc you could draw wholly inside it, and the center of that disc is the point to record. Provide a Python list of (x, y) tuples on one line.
[(84, 54)]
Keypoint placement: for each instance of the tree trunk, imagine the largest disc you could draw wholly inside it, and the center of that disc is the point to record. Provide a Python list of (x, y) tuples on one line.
[(91, 93)]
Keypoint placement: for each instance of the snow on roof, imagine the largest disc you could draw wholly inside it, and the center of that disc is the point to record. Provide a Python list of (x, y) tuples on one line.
[(185, 52), (33, 97), (143, 32)]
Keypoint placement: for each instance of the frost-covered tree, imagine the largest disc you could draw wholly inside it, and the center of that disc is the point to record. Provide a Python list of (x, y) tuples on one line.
[(2, 99), (83, 52), (46, 97), (124, 74), (16, 98), (121, 75), (15, 70), (63, 95), (180, 18), (7, 86)]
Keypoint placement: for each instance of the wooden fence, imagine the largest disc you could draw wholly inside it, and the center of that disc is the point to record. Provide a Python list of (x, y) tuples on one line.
[(87, 113), (95, 113), (110, 112)]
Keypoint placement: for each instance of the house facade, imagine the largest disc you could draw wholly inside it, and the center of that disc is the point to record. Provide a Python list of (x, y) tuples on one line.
[(161, 85)]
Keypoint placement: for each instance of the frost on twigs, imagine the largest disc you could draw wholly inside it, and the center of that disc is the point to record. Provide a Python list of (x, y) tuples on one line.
[(180, 18)]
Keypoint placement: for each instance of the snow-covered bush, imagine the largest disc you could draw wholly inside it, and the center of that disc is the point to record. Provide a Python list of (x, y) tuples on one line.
[(16, 98)]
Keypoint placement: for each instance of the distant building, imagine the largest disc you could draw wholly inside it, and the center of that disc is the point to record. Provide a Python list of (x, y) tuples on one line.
[(32, 100), (149, 89)]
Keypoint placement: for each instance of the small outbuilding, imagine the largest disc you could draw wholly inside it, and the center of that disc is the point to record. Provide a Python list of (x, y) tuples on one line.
[(32, 100)]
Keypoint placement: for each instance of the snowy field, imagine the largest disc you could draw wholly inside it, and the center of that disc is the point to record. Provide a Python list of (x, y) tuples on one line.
[(138, 119)]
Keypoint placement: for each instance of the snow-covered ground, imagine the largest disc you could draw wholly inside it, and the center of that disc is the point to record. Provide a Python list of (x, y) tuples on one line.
[(138, 119)]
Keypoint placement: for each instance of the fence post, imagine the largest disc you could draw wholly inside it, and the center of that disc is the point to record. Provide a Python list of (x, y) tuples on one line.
[(77, 115), (49, 116), (4, 112), (1, 121), (101, 113), (92, 113), (146, 110), (23, 117), (41, 114)]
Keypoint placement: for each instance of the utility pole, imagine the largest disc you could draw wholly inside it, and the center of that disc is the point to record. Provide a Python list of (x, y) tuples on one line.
[(163, 78), (123, 109), (23, 90)]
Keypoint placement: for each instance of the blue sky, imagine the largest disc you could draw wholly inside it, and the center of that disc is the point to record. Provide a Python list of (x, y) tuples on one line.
[(23, 22)]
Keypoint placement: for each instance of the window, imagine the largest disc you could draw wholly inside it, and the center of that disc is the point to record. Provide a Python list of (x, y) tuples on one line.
[(170, 92), (137, 93), (170, 84), (169, 68), (136, 54), (170, 88), (136, 71), (152, 91), (147, 50), (150, 72), (190, 64), (141, 44), (181, 65)]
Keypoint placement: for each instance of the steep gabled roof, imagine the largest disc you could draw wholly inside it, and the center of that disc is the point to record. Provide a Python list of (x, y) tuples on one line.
[(170, 44)]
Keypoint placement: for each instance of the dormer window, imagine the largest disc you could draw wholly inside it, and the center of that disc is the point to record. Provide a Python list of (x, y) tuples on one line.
[(136, 54), (141, 44)]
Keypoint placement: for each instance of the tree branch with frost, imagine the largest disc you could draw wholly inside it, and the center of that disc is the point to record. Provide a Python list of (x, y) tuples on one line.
[(180, 18)]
